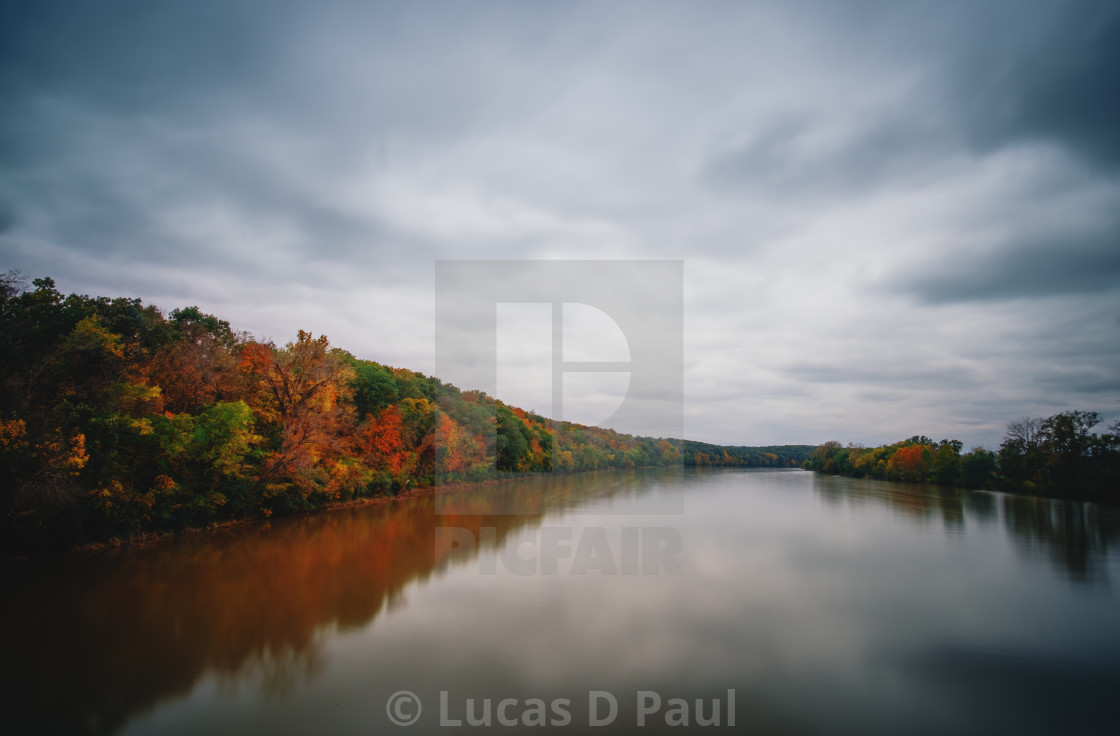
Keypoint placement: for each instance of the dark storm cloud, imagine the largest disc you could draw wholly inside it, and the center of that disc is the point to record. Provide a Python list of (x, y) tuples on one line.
[(1020, 76), (122, 113), (136, 56), (1090, 381), (994, 75), (133, 130), (1050, 76), (7, 218), (1028, 267)]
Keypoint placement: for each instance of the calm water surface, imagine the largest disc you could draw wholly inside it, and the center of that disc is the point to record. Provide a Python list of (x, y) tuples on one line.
[(828, 605)]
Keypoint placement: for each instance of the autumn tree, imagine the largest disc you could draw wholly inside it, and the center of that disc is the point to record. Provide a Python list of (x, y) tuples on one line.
[(419, 431), (910, 463), (199, 367), (458, 452), (383, 449), (300, 395)]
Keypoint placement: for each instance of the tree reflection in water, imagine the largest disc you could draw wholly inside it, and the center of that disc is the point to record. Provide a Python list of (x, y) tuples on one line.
[(1073, 534), (1076, 536), (94, 639)]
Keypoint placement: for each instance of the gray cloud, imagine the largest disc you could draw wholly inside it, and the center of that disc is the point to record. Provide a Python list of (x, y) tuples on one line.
[(1027, 268), (886, 373), (1051, 77), (784, 160), (895, 217)]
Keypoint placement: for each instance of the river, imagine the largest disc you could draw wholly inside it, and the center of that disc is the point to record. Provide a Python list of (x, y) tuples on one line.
[(779, 600)]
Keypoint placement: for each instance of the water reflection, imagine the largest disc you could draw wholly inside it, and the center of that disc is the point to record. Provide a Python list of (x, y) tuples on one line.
[(831, 605), (1074, 536), (918, 501), (103, 636), (981, 504)]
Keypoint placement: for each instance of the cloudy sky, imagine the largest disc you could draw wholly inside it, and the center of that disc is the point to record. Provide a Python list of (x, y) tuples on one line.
[(894, 217)]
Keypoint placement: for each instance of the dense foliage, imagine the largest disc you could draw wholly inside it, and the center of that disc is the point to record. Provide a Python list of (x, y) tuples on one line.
[(1058, 456), (117, 420)]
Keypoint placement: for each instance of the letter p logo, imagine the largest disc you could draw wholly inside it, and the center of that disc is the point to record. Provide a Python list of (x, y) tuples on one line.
[(581, 343)]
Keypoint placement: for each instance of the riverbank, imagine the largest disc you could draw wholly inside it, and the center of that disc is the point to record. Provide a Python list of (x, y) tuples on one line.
[(151, 538), (148, 538), (1056, 457)]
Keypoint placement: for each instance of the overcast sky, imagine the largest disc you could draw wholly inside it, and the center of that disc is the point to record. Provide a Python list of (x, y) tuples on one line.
[(895, 218)]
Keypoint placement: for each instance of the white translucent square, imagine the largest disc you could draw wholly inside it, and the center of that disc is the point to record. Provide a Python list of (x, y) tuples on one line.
[(591, 335), (524, 356), (592, 398)]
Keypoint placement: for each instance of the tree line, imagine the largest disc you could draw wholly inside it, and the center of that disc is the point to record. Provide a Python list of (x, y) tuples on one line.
[(1058, 456), (117, 420)]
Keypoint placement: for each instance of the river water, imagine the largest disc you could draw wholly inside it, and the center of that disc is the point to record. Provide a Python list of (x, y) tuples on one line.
[(780, 601)]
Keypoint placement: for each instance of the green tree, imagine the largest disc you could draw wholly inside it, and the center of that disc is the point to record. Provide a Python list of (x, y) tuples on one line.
[(1069, 449), (374, 388), (1020, 454), (947, 463), (978, 468), (512, 442)]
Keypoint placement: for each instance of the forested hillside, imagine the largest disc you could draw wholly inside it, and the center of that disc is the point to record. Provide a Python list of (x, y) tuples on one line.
[(116, 420), (1058, 456)]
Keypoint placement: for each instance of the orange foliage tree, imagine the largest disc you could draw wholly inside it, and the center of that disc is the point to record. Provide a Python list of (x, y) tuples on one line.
[(300, 396), (910, 463)]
